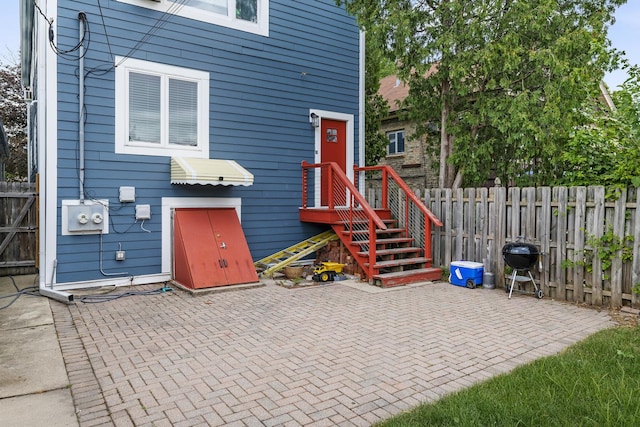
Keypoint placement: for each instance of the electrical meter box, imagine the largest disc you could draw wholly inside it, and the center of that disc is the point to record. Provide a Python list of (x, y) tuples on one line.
[(90, 217)]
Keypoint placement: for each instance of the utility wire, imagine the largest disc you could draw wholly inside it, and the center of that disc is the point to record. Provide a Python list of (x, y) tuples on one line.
[(166, 15), (104, 27), (95, 299), (31, 290), (65, 53)]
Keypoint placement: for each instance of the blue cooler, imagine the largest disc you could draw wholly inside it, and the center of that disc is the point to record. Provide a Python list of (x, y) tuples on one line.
[(466, 273)]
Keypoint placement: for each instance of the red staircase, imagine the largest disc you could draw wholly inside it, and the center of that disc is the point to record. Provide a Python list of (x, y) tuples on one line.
[(391, 244)]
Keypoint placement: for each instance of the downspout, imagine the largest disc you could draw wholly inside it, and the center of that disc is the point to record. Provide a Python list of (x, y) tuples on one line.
[(361, 114), (50, 292), (81, 17)]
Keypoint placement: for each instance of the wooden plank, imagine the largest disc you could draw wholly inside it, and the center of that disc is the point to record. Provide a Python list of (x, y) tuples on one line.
[(597, 229), (27, 229), (635, 272), (515, 214), (579, 240), (561, 239), (500, 207), (545, 236), (437, 231), (570, 236), (16, 195), (448, 214), (470, 225), (616, 263), (8, 264), (459, 224), (483, 230), (530, 215)]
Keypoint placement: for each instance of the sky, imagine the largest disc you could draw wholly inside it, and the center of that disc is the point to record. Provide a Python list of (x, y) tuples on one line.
[(623, 35)]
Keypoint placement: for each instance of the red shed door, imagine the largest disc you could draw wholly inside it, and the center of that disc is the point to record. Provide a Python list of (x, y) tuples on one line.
[(333, 148), (210, 249)]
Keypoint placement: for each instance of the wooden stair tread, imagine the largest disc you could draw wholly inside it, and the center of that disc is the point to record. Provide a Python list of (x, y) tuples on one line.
[(393, 251), (378, 231), (384, 241), (398, 262), (364, 221), (399, 278)]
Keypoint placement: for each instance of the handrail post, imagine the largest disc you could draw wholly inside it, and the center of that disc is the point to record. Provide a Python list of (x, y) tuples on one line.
[(304, 184), (385, 201), (329, 189)]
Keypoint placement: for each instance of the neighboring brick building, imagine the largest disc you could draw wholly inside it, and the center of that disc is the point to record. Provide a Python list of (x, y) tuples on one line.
[(406, 155)]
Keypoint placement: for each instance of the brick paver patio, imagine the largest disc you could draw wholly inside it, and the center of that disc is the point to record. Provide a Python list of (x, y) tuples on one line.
[(340, 354)]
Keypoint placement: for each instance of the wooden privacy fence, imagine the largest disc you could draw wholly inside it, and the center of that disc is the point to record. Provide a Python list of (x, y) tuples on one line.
[(18, 221), (589, 239)]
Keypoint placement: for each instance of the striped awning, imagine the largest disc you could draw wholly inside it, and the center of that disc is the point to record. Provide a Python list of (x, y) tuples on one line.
[(188, 170)]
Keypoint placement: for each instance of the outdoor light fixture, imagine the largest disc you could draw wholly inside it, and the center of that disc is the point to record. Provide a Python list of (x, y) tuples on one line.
[(314, 119)]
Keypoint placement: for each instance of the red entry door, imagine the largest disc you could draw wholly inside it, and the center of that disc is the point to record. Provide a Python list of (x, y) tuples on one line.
[(333, 148), (210, 249)]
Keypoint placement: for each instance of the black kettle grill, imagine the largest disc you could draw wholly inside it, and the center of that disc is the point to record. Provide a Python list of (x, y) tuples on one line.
[(521, 257)]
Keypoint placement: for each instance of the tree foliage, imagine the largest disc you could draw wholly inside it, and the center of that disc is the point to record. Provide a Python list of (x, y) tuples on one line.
[(510, 77), (376, 107), (14, 116), (606, 150)]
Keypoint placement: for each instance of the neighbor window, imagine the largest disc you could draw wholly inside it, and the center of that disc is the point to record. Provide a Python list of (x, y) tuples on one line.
[(396, 142), (161, 110), (245, 15)]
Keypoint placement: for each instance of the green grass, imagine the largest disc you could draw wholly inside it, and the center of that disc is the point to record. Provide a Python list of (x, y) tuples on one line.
[(595, 382)]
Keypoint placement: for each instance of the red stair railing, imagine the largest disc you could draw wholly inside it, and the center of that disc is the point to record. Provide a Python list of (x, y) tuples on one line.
[(407, 208), (337, 193)]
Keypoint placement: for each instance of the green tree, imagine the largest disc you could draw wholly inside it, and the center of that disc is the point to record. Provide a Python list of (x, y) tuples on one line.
[(376, 107), (504, 79), (14, 116), (606, 150)]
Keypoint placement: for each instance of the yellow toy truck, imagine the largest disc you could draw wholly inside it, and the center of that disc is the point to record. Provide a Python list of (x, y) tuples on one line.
[(327, 271)]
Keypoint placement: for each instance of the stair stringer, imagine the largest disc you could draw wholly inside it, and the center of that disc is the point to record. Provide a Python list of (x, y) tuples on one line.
[(353, 249)]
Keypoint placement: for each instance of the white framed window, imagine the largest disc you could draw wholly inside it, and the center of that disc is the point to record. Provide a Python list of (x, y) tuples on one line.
[(161, 110), (245, 15), (396, 142)]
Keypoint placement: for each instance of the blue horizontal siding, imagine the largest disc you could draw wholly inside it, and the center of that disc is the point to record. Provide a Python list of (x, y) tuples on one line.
[(261, 89)]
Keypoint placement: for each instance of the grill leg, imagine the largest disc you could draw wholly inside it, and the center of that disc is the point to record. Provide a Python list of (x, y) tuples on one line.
[(513, 281), (533, 281)]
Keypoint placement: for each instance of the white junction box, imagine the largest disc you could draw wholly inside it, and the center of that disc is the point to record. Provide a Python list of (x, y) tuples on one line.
[(90, 217), (127, 194), (143, 212)]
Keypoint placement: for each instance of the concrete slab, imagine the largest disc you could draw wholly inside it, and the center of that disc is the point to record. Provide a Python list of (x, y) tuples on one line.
[(33, 377), (36, 410), (30, 361)]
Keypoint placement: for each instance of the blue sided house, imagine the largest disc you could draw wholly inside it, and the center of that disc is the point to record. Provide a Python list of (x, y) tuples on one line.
[(186, 139)]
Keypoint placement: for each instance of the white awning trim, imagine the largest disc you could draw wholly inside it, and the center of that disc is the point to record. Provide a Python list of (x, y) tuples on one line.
[(189, 170)]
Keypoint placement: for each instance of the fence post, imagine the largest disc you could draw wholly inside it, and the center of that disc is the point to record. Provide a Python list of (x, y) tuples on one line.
[(470, 224), (578, 250), (545, 238), (616, 262), (635, 272), (598, 228), (500, 197), (437, 238)]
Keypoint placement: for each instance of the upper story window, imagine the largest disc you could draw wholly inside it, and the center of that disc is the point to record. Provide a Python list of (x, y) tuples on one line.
[(396, 142), (161, 110), (246, 15)]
